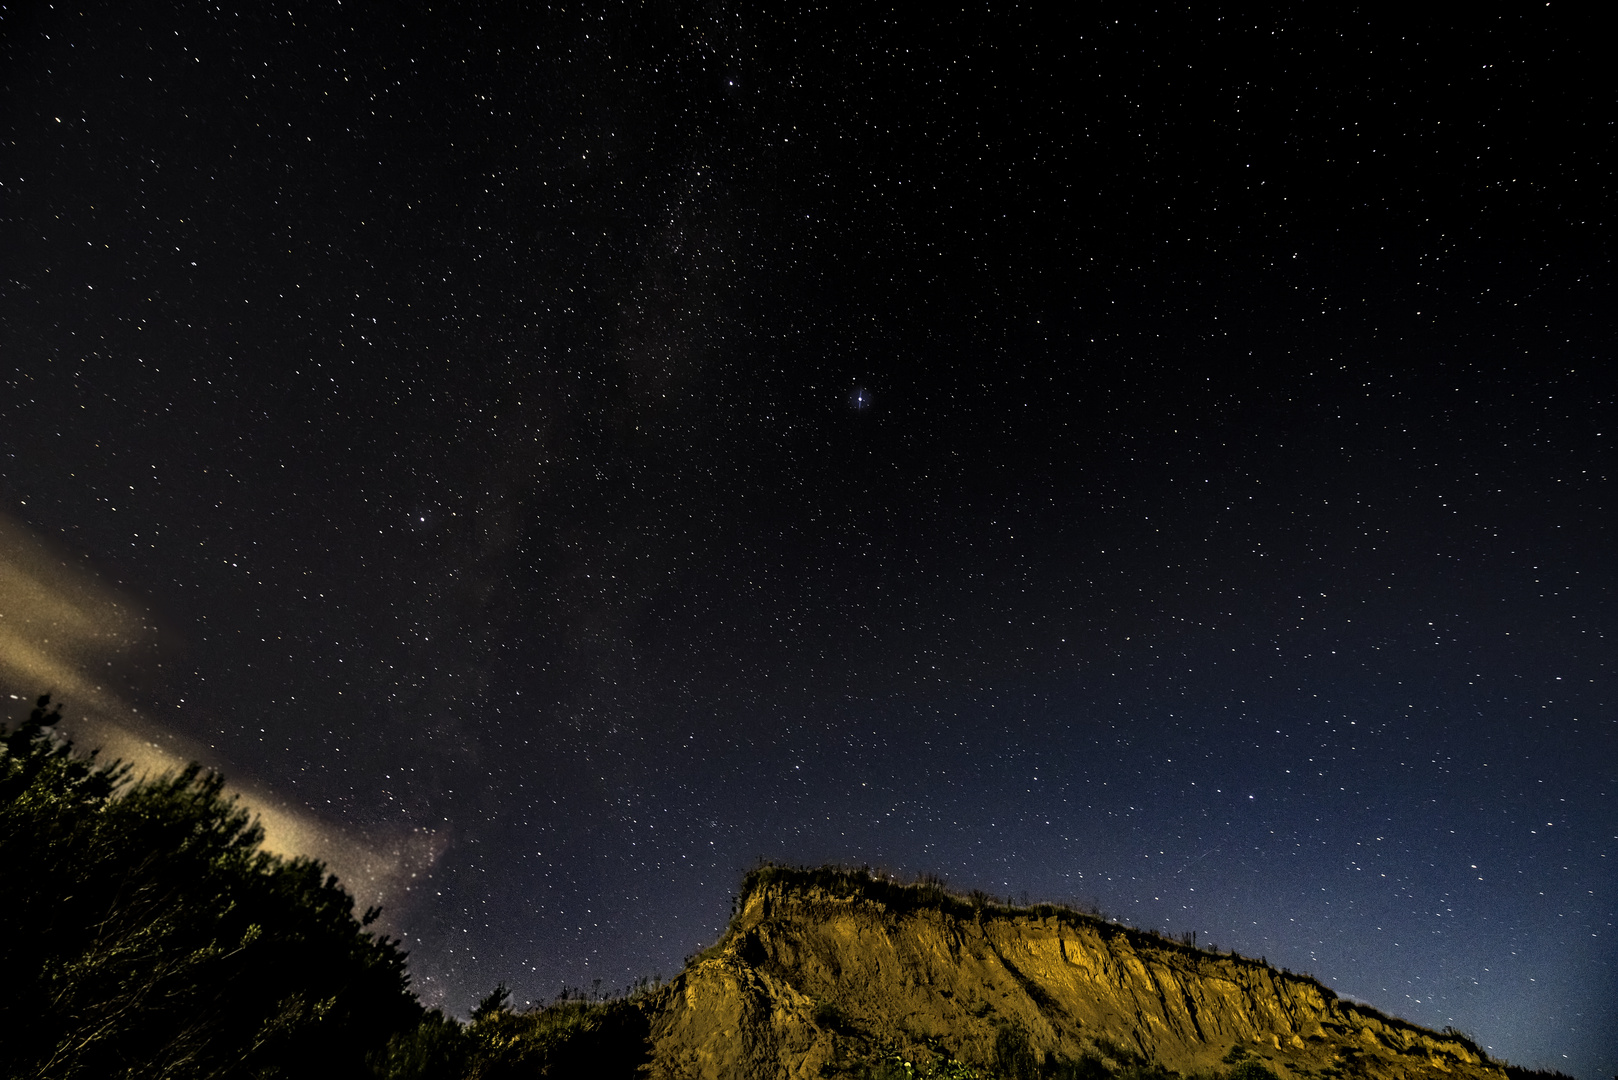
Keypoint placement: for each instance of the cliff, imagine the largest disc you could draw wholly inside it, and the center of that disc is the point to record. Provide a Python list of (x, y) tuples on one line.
[(829, 973)]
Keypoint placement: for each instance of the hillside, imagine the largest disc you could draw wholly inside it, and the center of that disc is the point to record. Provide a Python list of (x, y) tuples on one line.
[(162, 939), (828, 973)]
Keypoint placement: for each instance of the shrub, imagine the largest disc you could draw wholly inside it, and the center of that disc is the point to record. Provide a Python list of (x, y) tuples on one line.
[(1086, 1067), (438, 1048), (571, 1037), (1252, 1069)]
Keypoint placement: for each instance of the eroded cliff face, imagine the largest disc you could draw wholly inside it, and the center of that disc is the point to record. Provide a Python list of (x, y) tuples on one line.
[(807, 984)]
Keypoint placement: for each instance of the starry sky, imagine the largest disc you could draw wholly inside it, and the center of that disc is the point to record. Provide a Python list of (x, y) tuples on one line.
[(565, 454)]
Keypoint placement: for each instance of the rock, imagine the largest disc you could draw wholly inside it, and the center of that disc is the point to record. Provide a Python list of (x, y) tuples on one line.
[(822, 972)]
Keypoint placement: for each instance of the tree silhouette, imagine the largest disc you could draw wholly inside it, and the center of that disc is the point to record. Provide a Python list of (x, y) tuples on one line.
[(148, 934)]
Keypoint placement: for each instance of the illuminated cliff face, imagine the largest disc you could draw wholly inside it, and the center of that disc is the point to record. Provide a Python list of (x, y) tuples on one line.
[(934, 981)]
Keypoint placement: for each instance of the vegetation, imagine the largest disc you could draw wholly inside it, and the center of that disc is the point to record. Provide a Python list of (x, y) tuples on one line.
[(1015, 1059), (576, 1036), (1252, 1069), (148, 934), (896, 1066)]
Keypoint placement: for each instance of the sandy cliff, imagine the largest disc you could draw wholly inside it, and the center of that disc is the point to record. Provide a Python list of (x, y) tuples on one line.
[(818, 976)]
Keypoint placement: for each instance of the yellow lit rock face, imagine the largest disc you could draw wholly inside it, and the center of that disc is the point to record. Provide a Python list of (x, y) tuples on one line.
[(944, 979)]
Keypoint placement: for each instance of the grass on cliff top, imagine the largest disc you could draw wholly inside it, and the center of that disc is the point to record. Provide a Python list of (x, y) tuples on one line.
[(928, 892)]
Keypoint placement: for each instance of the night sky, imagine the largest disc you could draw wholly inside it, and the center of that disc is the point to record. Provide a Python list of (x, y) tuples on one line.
[(563, 455)]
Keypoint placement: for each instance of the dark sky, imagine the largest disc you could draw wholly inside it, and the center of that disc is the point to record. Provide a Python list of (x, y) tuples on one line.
[(1162, 461)]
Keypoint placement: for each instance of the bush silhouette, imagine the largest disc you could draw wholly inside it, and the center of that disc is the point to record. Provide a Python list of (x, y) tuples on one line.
[(151, 935)]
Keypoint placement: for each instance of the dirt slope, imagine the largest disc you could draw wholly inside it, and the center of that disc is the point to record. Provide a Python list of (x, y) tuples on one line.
[(820, 973)]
